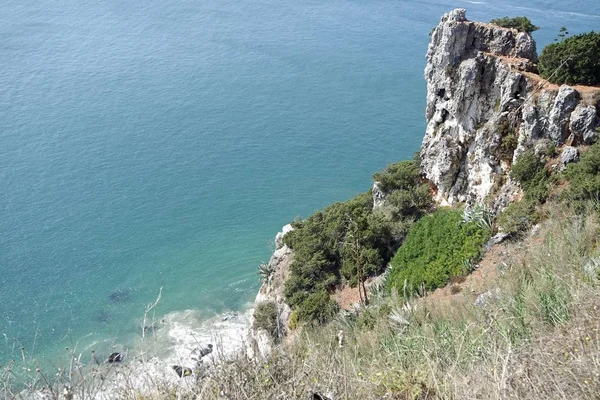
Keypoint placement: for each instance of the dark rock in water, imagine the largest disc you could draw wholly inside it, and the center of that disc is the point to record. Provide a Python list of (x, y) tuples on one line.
[(154, 326), (103, 317), (207, 350), (182, 371), (120, 296), (115, 357)]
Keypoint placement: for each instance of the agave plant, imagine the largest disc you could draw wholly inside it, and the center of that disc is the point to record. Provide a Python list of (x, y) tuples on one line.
[(469, 266), (377, 288), (592, 267), (265, 270), (399, 317), (480, 214)]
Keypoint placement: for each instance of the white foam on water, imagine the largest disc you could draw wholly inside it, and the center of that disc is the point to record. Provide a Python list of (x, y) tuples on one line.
[(176, 340)]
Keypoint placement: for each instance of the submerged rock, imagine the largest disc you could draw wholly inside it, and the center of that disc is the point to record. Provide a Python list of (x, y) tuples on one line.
[(103, 317), (115, 357), (204, 351), (120, 295)]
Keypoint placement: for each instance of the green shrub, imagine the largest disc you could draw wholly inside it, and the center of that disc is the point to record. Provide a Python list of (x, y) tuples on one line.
[(508, 145), (294, 320), (584, 178), (435, 250), (531, 173), (522, 24), (266, 317), (402, 175), (317, 307), (366, 320), (572, 61), (413, 201), (518, 218)]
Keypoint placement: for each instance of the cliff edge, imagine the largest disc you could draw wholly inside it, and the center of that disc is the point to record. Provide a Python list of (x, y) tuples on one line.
[(485, 106)]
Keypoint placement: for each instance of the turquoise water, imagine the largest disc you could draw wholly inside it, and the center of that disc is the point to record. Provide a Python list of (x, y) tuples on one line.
[(163, 144)]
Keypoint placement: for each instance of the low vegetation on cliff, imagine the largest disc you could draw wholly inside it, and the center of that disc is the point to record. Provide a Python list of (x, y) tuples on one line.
[(573, 60), (348, 242), (438, 247), (522, 24), (524, 325), (584, 179)]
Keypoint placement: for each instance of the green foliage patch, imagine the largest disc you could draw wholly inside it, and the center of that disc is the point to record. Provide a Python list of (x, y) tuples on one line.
[(530, 171), (266, 317), (584, 178), (436, 249), (317, 307), (400, 175), (574, 60), (522, 24), (349, 241)]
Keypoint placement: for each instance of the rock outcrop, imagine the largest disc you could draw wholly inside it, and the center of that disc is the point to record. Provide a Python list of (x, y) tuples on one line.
[(485, 107), (260, 342)]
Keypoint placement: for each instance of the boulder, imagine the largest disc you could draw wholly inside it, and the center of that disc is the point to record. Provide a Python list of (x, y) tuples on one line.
[(569, 154), (565, 102), (583, 123)]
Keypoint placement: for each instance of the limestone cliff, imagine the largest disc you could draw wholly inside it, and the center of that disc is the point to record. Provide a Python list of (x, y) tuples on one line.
[(260, 342), (485, 106)]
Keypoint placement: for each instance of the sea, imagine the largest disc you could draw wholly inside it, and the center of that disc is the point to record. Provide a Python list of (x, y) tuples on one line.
[(151, 150)]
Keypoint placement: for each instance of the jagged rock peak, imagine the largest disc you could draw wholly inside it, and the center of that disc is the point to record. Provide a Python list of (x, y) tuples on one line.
[(456, 38), (485, 107)]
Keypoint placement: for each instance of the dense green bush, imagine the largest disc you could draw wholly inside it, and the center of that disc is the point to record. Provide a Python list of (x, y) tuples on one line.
[(402, 175), (584, 178), (317, 307), (522, 24), (436, 248), (413, 201), (330, 246), (531, 173), (266, 317), (574, 60)]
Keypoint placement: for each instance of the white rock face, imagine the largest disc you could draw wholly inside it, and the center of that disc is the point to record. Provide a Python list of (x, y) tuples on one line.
[(279, 237), (378, 195), (260, 342), (565, 102), (569, 154), (483, 110), (583, 123)]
